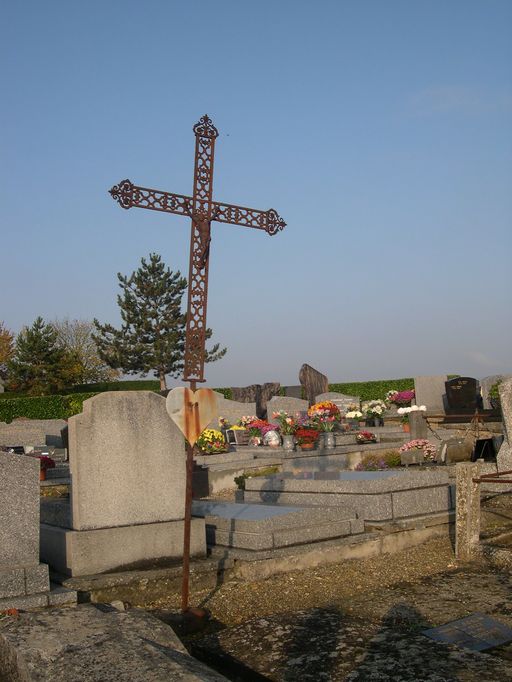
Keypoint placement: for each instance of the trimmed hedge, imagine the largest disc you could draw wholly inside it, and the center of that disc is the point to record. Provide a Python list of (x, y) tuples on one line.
[(43, 407), (135, 385), (226, 392), (373, 390)]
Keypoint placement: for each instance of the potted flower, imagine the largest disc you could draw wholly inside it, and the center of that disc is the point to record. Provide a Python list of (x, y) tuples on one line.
[(400, 398), (287, 426), (354, 417), (366, 437), (325, 416), (307, 437), (45, 463), (211, 442), (258, 429), (373, 411)]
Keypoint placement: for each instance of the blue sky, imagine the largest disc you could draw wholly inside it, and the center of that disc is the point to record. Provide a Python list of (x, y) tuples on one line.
[(380, 131)]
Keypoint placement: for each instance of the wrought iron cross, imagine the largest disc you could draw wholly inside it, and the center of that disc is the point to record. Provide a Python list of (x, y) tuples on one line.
[(202, 210)]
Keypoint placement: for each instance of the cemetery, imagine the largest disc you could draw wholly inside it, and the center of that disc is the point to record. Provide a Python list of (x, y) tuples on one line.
[(117, 524)]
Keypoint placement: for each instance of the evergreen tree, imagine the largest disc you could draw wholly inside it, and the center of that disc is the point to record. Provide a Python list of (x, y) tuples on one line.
[(152, 335), (38, 365), (6, 349)]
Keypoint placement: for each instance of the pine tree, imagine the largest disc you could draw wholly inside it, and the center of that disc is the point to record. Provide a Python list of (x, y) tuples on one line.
[(6, 349), (38, 365), (152, 335)]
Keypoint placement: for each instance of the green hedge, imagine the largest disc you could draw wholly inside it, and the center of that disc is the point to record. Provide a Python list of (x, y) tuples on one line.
[(43, 407), (373, 390), (135, 385), (226, 392)]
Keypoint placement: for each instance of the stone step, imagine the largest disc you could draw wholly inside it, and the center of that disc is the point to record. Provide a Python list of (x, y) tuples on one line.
[(259, 526)]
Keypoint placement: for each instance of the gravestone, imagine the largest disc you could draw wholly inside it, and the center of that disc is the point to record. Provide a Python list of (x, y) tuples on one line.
[(232, 410), (24, 582), (127, 463), (313, 382), (418, 425), (462, 395), (257, 393), (485, 386), (285, 404), (430, 391), (342, 401)]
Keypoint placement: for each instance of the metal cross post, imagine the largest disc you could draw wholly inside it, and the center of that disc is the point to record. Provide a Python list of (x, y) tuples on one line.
[(202, 210)]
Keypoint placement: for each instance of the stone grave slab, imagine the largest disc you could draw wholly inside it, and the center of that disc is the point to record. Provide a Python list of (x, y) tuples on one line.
[(261, 526), (376, 496), (477, 632), (127, 464)]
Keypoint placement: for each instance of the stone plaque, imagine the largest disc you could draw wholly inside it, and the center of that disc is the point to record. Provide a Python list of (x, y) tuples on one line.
[(477, 632), (461, 393)]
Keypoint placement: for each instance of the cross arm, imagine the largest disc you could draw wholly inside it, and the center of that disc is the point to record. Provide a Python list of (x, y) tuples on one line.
[(129, 195), (270, 220)]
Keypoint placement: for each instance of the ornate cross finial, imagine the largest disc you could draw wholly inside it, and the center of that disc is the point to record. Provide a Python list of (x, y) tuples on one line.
[(205, 128)]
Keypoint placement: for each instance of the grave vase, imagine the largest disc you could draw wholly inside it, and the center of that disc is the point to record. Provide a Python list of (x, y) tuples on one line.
[(288, 442), (329, 439), (406, 427)]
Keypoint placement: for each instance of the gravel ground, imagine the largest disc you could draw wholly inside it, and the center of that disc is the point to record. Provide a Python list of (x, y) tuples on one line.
[(358, 620)]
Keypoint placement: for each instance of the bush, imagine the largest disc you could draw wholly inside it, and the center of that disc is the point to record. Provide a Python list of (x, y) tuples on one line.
[(135, 385), (226, 392), (373, 390), (43, 407), (376, 462)]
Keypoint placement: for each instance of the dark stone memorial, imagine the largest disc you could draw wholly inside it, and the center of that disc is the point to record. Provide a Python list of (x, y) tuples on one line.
[(462, 396), (477, 632), (313, 382), (256, 393)]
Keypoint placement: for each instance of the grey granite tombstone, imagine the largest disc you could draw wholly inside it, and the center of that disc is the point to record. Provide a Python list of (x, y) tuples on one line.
[(430, 391), (24, 582), (283, 403), (342, 401), (232, 410), (127, 463)]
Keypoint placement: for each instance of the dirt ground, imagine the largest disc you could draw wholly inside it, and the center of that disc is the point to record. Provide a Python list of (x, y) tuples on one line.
[(358, 620)]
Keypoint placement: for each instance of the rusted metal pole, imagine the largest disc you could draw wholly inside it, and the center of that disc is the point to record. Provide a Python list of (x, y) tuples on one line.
[(188, 515)]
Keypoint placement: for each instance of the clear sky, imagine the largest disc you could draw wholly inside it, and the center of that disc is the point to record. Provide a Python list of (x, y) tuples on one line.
[(381, 131)]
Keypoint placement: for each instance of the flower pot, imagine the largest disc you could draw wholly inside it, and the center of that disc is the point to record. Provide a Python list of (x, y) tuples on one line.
[(307, 446), (254, 441), (42, 474), (288, 442), (329, 439), (406, 428)]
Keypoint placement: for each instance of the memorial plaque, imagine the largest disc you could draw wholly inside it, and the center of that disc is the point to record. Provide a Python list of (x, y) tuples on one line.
[(477, 632), (461, 394)]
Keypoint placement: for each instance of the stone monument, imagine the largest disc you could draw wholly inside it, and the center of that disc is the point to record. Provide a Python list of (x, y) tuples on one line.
[(24, 582), (313, 381), (127, 463)]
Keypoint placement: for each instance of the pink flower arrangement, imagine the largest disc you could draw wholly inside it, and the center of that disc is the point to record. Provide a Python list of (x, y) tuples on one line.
[(429, 450), (287, 424), (401, 397)]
